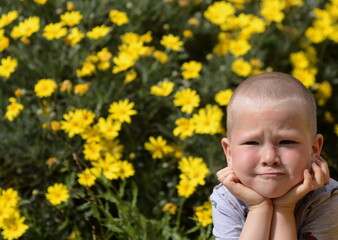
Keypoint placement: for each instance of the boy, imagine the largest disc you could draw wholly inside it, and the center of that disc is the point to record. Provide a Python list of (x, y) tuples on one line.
[(275, 185)]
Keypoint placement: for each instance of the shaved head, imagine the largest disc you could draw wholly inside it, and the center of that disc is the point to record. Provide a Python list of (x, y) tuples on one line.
[(273, 87)]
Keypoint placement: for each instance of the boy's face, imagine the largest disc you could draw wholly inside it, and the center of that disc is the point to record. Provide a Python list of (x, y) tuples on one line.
[(271, 146)]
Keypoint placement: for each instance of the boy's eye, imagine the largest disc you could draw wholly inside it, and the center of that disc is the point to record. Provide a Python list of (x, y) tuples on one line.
[(251, 143), (287, 142)]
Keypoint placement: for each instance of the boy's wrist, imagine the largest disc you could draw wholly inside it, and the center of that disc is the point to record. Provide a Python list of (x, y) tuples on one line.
[(262, 206), (284, 209)]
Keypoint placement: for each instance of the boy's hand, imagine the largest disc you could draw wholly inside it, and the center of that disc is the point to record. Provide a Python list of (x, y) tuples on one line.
[(320, 175), (229, 179)]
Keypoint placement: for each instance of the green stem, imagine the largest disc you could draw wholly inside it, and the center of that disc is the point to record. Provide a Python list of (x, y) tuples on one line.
[(178, 219)]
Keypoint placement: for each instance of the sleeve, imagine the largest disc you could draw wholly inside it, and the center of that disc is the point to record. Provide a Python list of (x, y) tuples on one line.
[(227, 214), (322, 221)]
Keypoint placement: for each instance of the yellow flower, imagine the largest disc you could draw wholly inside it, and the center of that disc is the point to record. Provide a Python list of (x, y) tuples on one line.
[(70, 6), (9, 197), (324, 92), (71, 18), (57, 194), (239, 47), (194, 169), (113, 148), (122, 110), (109, 167), (108, 128), (134, 49), (272, 10), (13, 226), (42, 2), (223, 97), (4, 41), (66, 86), (315, 35), (19, 92), (185, 187), (118, 17), (54, 126), (291, 3), (161, 56), (171, 42), (8, 18), (158, 147), (241, 67), (130, 76), (87, 69), (239, 4), (218, 12), (203, 214), (187, 99), (26, 28), (130, 38), (123, 61), (191, 69), (51, 161), (45, 87), (163, 88), (328, 117), (92, 151), (222, 47), (170, 207), (184, 128), (104, 55), (81, 88), (299, 59), (75, 122), (336, 129), (91, 134), (194, 21), (88, 176), (126, 169), (188, 33), (98, 32), (208, 120), (74, 37), (13, 110), (7, 66), (306, 76), (54, 31)]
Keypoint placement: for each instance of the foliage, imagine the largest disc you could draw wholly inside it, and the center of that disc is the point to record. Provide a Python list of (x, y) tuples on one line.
[(112, 111)]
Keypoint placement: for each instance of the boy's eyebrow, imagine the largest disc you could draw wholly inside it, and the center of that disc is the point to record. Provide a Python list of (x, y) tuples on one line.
[(280, 133)]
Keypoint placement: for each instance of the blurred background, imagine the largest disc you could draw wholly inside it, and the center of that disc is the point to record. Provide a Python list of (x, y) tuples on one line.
[(112, 112)]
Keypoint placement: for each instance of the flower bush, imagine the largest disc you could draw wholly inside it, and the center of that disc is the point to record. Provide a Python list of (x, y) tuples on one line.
[(112, 112)]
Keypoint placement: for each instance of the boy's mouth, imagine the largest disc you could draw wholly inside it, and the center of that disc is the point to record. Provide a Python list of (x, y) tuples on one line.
[(271, 174)]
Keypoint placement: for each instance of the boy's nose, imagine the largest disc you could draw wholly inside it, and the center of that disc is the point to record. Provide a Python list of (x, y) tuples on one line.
[(270, 156)]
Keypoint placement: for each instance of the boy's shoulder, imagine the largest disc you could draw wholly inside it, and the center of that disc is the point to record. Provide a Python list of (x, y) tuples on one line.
[(326, 194), (223, 200), (316, 214)]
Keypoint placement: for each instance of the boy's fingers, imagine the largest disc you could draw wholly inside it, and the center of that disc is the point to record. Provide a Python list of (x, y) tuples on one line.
[(307, 183), (325, 168), (321, 173), (226, 175)]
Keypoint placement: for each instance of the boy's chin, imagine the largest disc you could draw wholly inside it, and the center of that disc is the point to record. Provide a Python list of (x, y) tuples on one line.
[(272, 194)]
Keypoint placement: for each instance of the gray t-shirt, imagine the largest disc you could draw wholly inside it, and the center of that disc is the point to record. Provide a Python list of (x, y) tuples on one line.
[(316, 214)]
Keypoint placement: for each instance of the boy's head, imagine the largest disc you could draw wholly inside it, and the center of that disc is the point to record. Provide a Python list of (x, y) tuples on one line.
[(271, 133), (273, 87)]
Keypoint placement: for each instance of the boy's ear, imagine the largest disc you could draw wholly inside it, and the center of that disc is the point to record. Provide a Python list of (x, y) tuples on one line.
[(317, 145), (227, 150)]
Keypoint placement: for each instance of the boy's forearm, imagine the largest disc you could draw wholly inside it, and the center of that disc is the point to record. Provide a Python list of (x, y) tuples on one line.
[(283, 224), (258, 223)]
